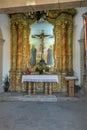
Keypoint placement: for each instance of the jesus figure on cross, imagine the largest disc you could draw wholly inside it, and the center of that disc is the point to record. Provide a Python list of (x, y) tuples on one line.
[(42, 36)]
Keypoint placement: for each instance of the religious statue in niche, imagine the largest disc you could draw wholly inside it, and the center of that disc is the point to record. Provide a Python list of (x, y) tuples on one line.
[(50, 59), (42, 36), (33, 55)]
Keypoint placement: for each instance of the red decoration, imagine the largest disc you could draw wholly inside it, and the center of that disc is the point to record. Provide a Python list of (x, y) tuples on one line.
[(28, 71)]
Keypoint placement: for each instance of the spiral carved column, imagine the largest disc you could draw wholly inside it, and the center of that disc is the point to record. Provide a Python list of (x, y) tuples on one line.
[(25, 49), (13, 57), (57, 51), (63, 46), (58, 45), (69, 49), (19, 57), (25, 44)]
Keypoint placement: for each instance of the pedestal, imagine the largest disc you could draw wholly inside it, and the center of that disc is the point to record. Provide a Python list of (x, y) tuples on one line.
[(70, 85)]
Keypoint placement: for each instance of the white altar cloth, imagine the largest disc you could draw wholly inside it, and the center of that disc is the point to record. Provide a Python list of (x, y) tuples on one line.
[(39, 78)]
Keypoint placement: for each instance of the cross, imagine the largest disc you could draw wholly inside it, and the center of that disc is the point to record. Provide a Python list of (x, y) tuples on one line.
[(42, 36)]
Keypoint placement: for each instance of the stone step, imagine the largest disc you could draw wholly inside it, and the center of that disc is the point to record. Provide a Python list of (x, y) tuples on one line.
[(41, 98), (36, 98)]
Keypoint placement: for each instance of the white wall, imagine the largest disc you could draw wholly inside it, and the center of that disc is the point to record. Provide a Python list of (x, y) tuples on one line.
[(78, 26), (5, 27)]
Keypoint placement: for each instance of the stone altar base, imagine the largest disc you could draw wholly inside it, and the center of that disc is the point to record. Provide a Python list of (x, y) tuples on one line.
[(41, 98)]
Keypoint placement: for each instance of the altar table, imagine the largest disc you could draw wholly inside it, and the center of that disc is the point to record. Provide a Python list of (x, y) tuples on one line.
[(40, 78)]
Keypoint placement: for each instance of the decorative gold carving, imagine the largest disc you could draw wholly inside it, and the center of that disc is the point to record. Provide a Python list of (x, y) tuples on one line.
[(18, 81), (53, 14), (20, 47), (12, 80)]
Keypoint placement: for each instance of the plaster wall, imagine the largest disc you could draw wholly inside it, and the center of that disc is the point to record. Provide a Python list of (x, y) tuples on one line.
[(5, 27), (77, 36)]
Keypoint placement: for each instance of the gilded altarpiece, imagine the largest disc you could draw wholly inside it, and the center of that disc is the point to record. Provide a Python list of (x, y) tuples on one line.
[(20, 47)]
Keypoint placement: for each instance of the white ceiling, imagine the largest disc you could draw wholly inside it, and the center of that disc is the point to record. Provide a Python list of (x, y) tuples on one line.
[(14, 6)]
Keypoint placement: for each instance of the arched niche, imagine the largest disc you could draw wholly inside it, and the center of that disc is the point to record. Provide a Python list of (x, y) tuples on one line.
[(41, 41)]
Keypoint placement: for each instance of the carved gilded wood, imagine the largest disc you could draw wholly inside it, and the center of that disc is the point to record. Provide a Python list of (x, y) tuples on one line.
[(63, 46)]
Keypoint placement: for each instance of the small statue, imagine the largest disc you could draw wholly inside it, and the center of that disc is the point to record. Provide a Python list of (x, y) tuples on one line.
[(50, 56)]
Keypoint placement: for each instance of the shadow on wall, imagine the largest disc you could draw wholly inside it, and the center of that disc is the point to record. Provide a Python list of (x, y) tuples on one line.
[(77, 88)]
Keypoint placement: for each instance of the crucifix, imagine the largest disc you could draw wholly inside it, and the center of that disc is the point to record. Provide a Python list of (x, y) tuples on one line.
[(42, 36)]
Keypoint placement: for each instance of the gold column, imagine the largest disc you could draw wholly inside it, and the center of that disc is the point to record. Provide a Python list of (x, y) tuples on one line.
[(25, 49), (70, 49), (63, 52), (13, 47), (57, 53), (63, 46), (14, 61), (19, 47), (19, 57), (13, 53), (25, 44)]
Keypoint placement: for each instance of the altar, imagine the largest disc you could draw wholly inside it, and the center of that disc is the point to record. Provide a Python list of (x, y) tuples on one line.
[(52, 42), (46, 79)]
